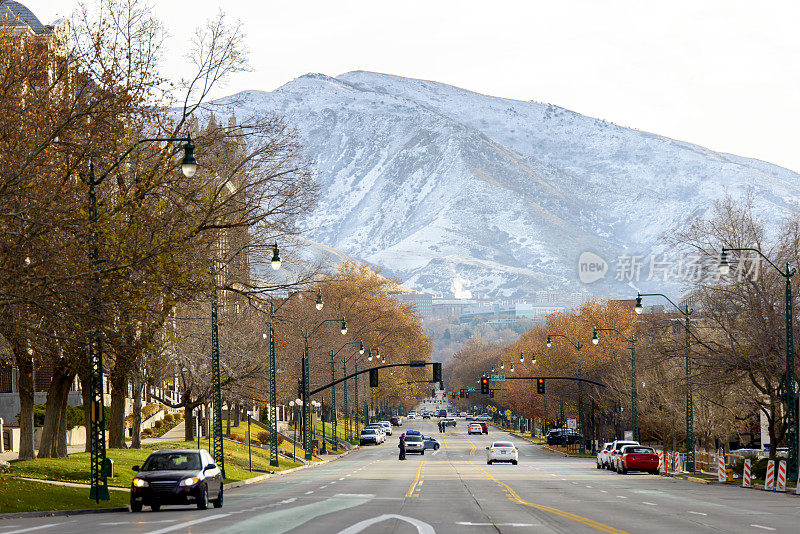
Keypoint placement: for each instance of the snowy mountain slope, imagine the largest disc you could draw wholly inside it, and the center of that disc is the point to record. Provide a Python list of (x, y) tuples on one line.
[(432, 182)]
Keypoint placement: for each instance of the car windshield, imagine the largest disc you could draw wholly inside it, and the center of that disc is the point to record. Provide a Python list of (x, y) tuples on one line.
[(639, 450), (413, 438), (497, 444), (173, 461), (368, 431)]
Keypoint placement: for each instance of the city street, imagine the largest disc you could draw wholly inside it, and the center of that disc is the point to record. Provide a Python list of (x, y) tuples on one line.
[(454, 490)]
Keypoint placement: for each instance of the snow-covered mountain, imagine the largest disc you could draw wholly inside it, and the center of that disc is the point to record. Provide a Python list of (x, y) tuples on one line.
[(432, 182)]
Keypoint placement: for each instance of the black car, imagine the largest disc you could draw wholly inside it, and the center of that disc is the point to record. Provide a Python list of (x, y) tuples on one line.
[(395, 421), (177, 476), (563, 436)]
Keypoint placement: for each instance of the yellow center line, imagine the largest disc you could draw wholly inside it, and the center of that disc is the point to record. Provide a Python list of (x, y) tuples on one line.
[(519, 500), (416, 479)]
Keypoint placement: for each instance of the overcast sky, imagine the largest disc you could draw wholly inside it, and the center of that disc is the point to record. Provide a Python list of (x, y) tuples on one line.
[(724, 74)]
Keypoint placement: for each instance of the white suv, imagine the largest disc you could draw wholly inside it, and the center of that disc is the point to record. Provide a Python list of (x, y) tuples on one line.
[(387, 427), (614, 450), (602, 455)]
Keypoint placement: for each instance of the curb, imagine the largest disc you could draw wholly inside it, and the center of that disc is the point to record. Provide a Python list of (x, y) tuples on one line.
[(55, 513), (70, 484)]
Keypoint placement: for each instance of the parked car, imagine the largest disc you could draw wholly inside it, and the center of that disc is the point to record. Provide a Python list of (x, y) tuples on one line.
[(602, 455), (370, 435), (412, 415), (563, 436), (387, 427), (380, 429), (614, 452), (177, 476), (426, 415), (415, 443), (431, 442), (474, 428), (502, 451), (395, 421), (462, 414), (637, 458)]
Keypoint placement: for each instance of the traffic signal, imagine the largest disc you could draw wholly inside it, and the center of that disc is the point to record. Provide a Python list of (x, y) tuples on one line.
[(433, 392), (461, 394), (373, 378), (437, 372), (540, 386), (491, 393), (484, 385)]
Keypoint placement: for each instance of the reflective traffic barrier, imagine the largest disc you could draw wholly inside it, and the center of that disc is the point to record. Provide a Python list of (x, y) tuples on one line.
[(769, 483), (781, 485), (722, 475), (746, 474)]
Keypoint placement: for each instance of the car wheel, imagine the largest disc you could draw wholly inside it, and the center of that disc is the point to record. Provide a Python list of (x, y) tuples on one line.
[(488, 462), (218, 500), (599, 466), (155, 507), (136, 507), (422, 452), (622, 471), (202, 502), (514, 462), (436, 447)]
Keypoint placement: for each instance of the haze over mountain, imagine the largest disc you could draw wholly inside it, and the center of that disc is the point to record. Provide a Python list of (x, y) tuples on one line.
[(434, 183)]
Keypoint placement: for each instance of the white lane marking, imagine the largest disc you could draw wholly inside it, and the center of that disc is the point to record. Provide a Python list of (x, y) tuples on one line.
[(332, 482), (347, 475), (309, 492), (420, 482), (552, 474), (323, 487), (422, 527), (649, 503), (697, 513), (189, 523), (603, 491), (762, 527), (621, 497), (341, 478), (435, 452), (589, 487), (30, 529), (286, 501)]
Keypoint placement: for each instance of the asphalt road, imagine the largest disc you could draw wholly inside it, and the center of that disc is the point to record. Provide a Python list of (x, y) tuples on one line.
[(454, 491)]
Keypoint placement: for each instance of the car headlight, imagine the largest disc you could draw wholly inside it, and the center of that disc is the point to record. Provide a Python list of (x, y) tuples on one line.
[(140, 483), (189, 481)]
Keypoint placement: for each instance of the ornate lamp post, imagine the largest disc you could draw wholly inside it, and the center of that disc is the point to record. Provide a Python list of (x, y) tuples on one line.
[(578, 346), (97, 433), (790, 393), (686, 312), (273, 400), (333, 389), (634, 396)]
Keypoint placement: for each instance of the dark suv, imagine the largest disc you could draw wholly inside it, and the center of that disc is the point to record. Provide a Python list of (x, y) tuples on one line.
[(562, 436), (395, 421), (177, 476)]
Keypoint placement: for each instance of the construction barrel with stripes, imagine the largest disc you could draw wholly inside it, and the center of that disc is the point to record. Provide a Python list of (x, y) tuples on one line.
[(660, 460), (781, 485), (769, 481), (746, 474), (722, 475)]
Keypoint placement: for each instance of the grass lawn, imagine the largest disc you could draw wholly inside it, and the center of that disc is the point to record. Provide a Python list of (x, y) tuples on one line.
[(24, 496), (75, 468)]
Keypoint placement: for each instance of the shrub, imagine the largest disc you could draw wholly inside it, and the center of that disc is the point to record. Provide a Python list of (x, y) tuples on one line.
[(177, 416), (149, 410), (263, 437), (167, 417), (236, 437), (158, 424), (148, 432)]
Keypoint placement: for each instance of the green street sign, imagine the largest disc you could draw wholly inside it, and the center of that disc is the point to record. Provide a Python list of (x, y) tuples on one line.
[(499, 378), (470, 389)]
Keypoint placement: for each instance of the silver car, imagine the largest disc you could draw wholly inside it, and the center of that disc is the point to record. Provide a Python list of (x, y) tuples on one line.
[(415, 443)]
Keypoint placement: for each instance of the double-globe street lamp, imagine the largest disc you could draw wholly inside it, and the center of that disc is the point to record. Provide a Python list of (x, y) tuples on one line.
[(334, 417), (305, 371), (97, 433), (788, 383), (273, 400), (370, 355), (578, 346), (686, 311), (634, 395)]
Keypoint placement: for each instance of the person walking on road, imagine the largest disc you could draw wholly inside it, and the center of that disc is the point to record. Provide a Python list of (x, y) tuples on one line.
[(402, 447)]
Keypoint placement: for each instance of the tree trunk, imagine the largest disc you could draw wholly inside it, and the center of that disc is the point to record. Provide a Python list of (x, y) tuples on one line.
[(55, 411), (86, 395), (236, 414), (61, 435), (136, 424), (228, 421), (119, 386), (25, 385)]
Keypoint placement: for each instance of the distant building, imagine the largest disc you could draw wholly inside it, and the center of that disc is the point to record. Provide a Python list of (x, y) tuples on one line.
[(422, 301)]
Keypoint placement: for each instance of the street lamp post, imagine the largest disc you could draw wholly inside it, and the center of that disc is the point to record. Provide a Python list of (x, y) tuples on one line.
[(305, 371), (634, 395), (790, 393), (273, 398), (97, 433), (577, 346), (333, 389), (686, 312)]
